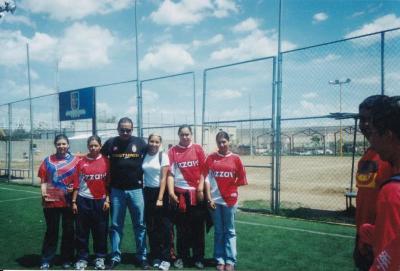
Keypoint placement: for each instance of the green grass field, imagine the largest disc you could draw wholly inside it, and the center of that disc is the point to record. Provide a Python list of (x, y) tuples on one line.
[(264, 242)]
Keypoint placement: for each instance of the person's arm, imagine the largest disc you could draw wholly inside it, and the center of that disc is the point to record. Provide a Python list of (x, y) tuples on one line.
[(163, 184), (43, 189), (202, 161), (210, 201), (74, 205), (200, 189), (171, 191), (106, 205)]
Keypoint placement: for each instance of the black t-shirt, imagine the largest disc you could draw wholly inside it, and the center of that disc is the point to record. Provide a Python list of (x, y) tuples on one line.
[(126, 158)]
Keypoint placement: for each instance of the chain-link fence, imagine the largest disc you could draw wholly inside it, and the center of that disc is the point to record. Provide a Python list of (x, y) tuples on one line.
[(317, 151)]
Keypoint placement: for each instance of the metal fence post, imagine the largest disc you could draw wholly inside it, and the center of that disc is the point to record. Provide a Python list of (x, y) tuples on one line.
[(9, 141), (383, 63)]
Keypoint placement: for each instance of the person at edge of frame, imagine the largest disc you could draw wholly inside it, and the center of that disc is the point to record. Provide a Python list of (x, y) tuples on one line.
[(56, 175), (186, 190), (91, 203), (371, 172), (384, 234), (126, 153), (155, 167), (224, 172)]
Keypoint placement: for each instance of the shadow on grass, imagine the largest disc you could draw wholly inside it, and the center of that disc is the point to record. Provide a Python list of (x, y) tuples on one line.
[(340, 216), (29, 261)]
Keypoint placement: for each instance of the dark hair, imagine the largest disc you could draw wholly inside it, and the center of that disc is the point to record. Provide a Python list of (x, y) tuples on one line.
[(93, 137), (125, 120), (60, 136), (183, 127), (151, 135), (386, 115), (369, 102), (222, 134)]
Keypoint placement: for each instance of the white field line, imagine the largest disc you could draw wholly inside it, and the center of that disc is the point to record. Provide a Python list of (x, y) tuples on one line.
[(7, 200), (295, 229), (26, 191)]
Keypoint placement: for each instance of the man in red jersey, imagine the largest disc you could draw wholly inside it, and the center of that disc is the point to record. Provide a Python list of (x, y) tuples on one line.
[(371, 172), (385, 139)]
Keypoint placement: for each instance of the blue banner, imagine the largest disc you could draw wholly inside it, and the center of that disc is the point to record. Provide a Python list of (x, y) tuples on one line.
[(77, 104)]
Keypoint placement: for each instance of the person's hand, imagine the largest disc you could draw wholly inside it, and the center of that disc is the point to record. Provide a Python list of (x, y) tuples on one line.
[(200, 195), (211, 204), (106, 205), (174, 198), (74, 208), (159, 203), (70, 188)]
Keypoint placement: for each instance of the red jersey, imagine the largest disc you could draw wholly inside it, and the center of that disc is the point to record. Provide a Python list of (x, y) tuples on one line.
[(58, 174), (388, 259), (387, 223), (186, 165), (371, 172), (225, 174), (93, 177)]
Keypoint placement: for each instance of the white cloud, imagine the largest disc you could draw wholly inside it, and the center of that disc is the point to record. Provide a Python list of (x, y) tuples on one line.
[(226, 93), (357, 14), (81, 46), (310, 95), (327, 58), (224, 7), (18, 19), (382, 23), (72, 10), (320, 17), (85, 46), (13, 48), (42, 47), (313, 108), (167, 57), (257, 44), (150, 96), (190, 11), (247, 25), (214, 40)]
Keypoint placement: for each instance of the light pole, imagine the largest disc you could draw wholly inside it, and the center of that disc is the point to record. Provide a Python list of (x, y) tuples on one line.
[(340, 83)]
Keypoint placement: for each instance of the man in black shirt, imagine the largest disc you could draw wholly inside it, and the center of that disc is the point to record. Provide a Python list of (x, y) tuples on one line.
[(126, 189)]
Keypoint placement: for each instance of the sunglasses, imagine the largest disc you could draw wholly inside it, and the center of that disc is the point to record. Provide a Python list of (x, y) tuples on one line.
[(125, 130)]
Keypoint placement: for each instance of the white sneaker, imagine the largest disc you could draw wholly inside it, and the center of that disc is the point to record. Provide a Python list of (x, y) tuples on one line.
[(81, 265), (156, 263), (164, 265), (178, 264), (99, 264)]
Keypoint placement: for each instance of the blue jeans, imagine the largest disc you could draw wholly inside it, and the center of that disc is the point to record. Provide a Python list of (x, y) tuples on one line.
[(133, 199), (224, 234)]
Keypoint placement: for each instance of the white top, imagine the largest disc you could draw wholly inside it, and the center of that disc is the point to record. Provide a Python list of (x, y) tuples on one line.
[(151, 168)]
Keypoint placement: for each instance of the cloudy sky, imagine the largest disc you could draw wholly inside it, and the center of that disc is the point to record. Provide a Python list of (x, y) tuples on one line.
[(74, 44)]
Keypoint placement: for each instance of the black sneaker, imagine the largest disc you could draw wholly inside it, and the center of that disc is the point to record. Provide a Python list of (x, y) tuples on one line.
[(145, 265), (113, 264), (67, 266)]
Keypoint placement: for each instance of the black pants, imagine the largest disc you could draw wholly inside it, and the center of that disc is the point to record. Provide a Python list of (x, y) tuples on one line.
[(158, 225), (49, 247), (91, 218), (190, 231)]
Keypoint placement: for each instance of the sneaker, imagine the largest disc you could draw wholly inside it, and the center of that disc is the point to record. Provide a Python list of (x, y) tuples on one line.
[(156, 263), (178, 264), (199, 265), (113, 264), (145, 265), (45, 266), (99, 264), (67, 266), (220, 267), (164, 265), (81, 265), (229, 267)]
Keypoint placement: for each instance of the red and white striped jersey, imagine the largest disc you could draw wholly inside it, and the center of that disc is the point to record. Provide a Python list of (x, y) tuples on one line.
[(186, 165), (93, 177), (225, 174)]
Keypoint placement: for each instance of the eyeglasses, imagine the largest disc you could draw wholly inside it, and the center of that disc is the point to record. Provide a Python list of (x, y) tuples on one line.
[(125, 130)]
